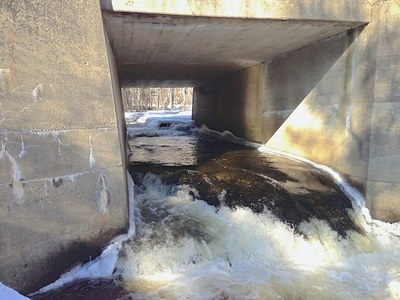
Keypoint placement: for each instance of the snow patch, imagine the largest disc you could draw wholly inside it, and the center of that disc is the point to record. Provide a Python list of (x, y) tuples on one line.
[(7, 293), (159, 123), (101, 267)]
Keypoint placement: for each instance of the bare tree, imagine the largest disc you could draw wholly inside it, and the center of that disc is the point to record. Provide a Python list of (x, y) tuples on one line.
[(135, 99)]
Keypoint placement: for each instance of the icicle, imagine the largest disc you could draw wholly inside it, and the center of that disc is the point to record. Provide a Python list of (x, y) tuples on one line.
[(59, 145), (104, 195), (92, 160), (37, 93), (45, 187), (15, 173), (22, 153)]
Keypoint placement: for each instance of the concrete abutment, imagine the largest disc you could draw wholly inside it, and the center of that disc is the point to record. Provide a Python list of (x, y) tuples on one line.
[(333, 101), (63, 193)]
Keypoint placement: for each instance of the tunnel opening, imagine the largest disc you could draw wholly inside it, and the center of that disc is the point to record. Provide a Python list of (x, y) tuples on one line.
[(224, 59), (145, 104), (136, 99)]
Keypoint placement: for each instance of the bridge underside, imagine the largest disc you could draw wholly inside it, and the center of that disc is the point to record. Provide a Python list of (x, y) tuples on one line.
[(167, 50), (313, 79)]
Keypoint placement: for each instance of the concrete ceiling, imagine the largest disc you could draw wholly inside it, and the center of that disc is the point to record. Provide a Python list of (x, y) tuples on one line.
[(167, 50)]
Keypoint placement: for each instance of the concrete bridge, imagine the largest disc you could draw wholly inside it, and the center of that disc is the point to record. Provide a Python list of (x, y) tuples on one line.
[(320, 79)]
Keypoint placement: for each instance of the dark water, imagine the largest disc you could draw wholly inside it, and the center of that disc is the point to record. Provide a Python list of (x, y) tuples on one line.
[(158, 150), (293, 190), (96, 289)]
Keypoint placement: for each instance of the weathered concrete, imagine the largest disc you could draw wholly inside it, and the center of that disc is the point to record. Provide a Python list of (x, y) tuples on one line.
[(335, 102), (156, 50), (383, 184), (62, 179), (314, 108), (242, 114), (347, 116), (351, 10)]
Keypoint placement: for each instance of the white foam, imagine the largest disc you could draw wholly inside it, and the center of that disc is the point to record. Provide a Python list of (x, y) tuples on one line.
[(191, 251), (194, 252), (131, 203), (241, 255)]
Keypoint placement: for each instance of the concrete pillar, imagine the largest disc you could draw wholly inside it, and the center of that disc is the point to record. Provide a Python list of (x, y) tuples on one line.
[(62, 179), (383, 187)]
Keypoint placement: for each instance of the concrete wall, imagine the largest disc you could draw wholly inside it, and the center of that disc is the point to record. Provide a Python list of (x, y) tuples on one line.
[(272, 9), (335, 102), (318, 104), (62, 179), (230, 103), (383, 185)]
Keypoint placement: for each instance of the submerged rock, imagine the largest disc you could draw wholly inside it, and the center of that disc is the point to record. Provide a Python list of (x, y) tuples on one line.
[(292, 190)]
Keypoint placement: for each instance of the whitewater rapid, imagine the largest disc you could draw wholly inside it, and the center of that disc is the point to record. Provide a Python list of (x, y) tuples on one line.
[(186, 249), (183, 248)]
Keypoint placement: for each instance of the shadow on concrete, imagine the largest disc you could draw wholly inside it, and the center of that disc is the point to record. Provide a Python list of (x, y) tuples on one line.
[(61, 256), (315, 114)]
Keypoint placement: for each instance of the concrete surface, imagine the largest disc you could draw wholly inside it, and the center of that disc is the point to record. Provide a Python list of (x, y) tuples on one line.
[(62, 178), (347, 115), (242, 115), (309, 108), (156, 50), (384, 156), (348, 10), (336, 102)]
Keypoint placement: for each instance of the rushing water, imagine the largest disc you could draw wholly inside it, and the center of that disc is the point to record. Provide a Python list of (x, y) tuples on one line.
[(216, 220)]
